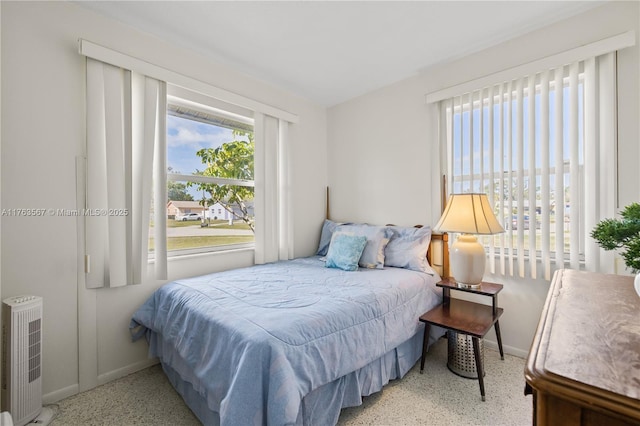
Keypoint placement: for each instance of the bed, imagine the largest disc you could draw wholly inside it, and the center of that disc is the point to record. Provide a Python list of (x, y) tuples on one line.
[(290, 342)]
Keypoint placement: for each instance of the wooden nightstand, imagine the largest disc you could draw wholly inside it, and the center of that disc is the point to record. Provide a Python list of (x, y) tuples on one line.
[(468, 318)]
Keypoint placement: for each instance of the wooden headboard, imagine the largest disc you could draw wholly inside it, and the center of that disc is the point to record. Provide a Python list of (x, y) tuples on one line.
[(438, 252)]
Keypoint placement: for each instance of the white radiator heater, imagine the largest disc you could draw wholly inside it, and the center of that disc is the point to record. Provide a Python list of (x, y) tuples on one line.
[(21, 358)]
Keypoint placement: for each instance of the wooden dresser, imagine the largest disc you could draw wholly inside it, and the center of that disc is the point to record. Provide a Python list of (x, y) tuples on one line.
[(584, 363)]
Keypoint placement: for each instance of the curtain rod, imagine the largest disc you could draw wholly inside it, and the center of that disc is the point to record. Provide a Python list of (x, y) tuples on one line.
[(597, 48), (122, 60)]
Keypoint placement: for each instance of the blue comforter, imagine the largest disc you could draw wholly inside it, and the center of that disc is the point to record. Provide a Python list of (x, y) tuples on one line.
[(254, 341)]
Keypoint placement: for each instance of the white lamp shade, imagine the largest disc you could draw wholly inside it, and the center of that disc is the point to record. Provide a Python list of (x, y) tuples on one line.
[(468, 214)]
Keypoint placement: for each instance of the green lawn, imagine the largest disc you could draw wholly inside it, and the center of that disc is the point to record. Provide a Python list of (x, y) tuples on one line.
[(180, 224), (180, 243), (236, 225), (221, 224)]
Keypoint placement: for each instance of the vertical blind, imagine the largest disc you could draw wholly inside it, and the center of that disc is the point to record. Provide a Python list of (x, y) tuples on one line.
[(543, 148), (274, 236), (125, 133)]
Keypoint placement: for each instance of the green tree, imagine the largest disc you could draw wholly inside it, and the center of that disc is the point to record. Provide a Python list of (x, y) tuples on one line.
[(232, 160), (177, 191)]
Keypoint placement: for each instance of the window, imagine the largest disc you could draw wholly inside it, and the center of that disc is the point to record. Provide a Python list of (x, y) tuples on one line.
[(210, 178), (126, 168), (541, 148), (507, 163)]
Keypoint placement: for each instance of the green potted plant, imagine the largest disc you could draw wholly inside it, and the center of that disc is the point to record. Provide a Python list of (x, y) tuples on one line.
[(624, 233)]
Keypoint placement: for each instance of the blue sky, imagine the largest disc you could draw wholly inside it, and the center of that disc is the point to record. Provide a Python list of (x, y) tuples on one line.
[(186, 137), (476, 128)]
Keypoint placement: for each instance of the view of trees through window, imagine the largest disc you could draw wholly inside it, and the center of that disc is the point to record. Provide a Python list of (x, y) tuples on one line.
[(210, 188)]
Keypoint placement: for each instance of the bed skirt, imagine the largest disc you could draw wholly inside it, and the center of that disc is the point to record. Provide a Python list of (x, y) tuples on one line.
[(322, 406)]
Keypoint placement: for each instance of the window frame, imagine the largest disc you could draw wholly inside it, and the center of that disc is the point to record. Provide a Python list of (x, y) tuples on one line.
[(196, 102)]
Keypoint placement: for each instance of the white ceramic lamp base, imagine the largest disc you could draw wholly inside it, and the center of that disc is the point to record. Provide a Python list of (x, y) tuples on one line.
[(467, 261)]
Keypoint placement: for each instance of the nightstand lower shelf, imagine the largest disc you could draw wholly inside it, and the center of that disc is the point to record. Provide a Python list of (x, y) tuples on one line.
[(467, 318)]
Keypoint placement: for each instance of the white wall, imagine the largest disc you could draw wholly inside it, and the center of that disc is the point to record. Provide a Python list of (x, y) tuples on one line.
[(43, 131), (0, 185), (383, 148)]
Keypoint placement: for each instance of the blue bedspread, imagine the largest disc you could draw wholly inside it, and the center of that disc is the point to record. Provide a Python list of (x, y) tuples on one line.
[(254, 341)]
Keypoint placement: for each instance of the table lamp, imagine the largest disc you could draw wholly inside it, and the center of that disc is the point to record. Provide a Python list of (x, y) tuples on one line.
[(468, 214)]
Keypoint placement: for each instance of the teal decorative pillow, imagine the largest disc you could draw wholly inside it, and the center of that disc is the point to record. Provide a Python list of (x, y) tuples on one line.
[(345, 251)]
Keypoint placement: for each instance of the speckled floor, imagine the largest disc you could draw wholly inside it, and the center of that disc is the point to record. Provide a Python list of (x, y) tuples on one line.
[(142, 398), (437, 397)]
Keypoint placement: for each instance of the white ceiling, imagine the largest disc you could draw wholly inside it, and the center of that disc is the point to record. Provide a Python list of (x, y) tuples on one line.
[(332, 51)]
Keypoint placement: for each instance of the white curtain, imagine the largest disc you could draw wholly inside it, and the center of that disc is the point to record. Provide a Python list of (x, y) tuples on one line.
[(544, 149), (274, 236), (125, 126)]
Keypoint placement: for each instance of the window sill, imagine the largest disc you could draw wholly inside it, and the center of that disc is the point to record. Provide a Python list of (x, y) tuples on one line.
[(203, 263), (197, 254), (204, 251)]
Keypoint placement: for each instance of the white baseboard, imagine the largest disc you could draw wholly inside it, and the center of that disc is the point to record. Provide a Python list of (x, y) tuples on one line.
[(507, 349), (55, 396), (125, 371)]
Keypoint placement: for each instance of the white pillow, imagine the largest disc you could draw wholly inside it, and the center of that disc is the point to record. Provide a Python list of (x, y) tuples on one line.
[(328, 228), (408, 247), (377, 239)]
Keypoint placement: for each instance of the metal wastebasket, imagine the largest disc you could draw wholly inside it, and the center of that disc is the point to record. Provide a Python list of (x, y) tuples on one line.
[(460, 355)]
